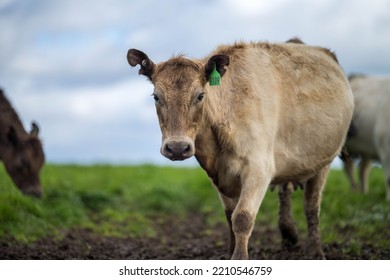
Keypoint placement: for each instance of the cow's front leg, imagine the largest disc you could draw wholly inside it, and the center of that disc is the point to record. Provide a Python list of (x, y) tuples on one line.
[(229, 205), (287, 226), (254, 187)]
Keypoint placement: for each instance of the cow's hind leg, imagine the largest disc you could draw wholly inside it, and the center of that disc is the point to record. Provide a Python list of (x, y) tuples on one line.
[(386, 169), (287, 226), (312, 201), (384, 154), (348, 168), (364, 171), (382, 142)]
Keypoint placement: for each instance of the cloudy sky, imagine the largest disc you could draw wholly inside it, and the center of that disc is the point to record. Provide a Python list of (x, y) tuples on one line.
[(63, 63)]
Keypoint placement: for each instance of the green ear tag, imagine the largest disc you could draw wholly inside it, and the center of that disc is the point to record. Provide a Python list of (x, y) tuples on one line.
[(215, 77)]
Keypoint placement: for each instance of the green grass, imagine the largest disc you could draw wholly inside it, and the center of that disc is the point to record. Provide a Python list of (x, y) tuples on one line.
[(346, 216), (104, 199), (365, 216), (124, 200)]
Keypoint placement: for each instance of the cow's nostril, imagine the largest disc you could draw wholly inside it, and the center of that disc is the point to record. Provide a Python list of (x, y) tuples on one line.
[(168, 148), (177, 150)]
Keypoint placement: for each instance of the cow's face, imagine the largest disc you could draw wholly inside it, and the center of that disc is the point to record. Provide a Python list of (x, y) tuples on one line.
[(179, 95), (23, 160)]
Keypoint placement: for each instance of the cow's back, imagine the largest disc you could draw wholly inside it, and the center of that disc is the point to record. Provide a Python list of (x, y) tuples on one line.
[(8, 117)]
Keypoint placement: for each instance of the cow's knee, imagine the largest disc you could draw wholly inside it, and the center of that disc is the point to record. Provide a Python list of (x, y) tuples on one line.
[(242, 222)]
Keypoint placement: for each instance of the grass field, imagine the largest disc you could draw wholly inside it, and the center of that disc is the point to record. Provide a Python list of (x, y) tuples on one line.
[(104, 198)]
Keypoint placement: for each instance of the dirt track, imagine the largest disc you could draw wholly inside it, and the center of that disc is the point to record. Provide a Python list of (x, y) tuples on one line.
[(175, 240)]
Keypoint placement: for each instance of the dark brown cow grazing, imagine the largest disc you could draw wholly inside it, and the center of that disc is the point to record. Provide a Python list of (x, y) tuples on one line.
[(280, 115), (21, 152)]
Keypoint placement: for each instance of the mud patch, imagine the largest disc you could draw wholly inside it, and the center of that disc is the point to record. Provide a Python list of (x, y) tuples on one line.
[(184, 239)]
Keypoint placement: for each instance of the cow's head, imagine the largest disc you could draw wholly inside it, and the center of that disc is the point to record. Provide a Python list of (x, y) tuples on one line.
[(179, 94), (23, 159)]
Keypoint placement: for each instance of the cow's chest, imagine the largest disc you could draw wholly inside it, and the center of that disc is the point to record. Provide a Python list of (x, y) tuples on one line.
[(216, 153), (229, 184), (224, 173)]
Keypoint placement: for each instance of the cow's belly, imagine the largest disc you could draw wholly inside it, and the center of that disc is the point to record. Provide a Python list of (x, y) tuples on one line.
[(298, 172), (309, 139), (367, 149), (303, 157)]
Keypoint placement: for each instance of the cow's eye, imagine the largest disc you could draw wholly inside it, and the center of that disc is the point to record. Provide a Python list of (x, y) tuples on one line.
[(201, 96), (156, 99)]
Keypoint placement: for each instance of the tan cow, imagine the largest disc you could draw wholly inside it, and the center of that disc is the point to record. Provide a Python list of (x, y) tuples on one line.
[(280, 114)]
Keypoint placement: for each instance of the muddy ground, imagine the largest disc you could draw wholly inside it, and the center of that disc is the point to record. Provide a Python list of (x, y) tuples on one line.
[(191, 239)]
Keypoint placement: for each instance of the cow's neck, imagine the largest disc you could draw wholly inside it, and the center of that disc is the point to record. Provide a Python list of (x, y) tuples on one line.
[(8, 118), (213, 133)]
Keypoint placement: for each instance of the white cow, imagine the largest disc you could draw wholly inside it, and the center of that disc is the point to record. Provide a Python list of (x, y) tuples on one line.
[(369, 136)]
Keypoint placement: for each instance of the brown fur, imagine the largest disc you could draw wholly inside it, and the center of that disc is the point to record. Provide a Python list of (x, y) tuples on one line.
[(295, 40), (21, 153), (280, 115)]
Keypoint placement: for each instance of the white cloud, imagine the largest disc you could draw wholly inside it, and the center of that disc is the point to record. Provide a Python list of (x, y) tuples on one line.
[(94, 105), (73, 119), (253, 8), (63, 62)]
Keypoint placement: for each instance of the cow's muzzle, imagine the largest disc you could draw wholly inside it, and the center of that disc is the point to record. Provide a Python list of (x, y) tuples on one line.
[(179, 149), (34, 191)]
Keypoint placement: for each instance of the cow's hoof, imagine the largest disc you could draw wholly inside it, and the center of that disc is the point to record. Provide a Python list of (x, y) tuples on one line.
[(314, 252), (289, 236), (240, 256), (289, 246)]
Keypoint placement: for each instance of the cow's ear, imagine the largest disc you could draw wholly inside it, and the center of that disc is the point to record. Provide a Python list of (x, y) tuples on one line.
[(34, 129), (136, 57), (220, 61), (12, 136)]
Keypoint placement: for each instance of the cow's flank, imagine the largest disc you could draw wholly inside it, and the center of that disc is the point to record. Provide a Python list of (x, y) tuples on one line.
[(369, 135), (280, 115)]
